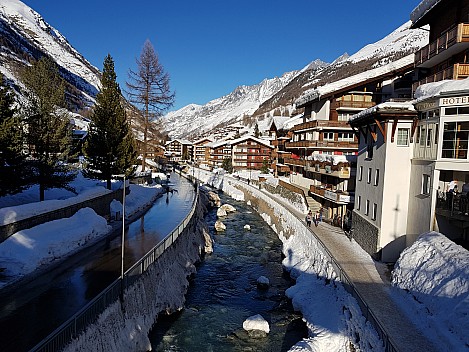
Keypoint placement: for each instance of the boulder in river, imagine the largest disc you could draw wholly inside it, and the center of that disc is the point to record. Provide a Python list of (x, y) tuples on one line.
[(247, 227), (214, 199), (256, 326), (228, 208), (221, 212), (263, 283), (219, 226)]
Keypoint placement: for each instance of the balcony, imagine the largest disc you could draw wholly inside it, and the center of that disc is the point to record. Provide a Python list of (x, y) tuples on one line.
[(321, 124), (457, 71), (343, 104), (336, 196), (450, 42), (339, 171), (322, 145), (295, 162)]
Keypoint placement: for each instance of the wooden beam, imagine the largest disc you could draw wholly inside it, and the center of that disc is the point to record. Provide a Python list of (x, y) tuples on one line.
[(383, 132), (414, 128), (394, 126)]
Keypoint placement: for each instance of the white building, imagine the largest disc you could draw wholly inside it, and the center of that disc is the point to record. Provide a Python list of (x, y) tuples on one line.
[(382, 186)]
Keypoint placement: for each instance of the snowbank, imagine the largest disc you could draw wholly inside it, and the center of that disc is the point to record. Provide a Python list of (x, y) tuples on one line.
[(32, 249), (433, 275)]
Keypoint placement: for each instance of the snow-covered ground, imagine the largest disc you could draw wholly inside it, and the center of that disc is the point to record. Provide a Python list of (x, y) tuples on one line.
[(37, 248), (430, 282)]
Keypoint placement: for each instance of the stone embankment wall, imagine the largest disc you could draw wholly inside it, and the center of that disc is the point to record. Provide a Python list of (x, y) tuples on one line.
[(99, 204), (161, 289)]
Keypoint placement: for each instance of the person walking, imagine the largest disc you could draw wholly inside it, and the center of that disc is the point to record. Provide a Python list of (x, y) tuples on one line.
[(308, 219), (316, 219)]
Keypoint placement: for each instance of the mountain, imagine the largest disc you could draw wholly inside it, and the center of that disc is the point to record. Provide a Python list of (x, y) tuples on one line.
[(235, 106), (231, 108), (26, 36)]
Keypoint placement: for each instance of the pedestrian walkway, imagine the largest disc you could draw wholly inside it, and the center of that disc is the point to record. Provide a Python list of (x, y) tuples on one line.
[(370, 285)]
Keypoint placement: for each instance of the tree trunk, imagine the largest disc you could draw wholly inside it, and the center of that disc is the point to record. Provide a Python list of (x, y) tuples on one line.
[(41, 192), (108, 183)]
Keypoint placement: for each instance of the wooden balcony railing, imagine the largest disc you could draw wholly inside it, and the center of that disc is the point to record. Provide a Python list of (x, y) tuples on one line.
[(352, 104), (322, 144), (457, 34), (295, 162), (320, 124), (457, 71), (335, 196)]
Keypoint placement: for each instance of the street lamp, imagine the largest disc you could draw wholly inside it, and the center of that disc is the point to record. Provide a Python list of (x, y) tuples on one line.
[(123, 237)]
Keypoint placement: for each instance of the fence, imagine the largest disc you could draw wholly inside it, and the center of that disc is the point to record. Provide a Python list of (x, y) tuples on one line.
[(389, 344), (69, 330)]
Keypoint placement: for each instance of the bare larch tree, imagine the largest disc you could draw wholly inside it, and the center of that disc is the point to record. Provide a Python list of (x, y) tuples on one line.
[(148, 88)]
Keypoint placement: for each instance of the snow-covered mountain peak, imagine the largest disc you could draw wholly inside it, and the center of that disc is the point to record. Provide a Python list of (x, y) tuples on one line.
[(26, 33)]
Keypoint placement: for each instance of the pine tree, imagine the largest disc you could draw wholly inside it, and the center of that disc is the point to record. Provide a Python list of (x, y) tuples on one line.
[(110, 146), (13, 170), (256, 131), (48, 131), (149, 89)]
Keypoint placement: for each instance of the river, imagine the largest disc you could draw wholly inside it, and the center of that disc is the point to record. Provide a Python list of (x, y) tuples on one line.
[(223, 293), (35, 309)]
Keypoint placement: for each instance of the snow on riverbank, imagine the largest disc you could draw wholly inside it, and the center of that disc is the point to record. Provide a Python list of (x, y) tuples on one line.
[(41, 246), (431, 283)]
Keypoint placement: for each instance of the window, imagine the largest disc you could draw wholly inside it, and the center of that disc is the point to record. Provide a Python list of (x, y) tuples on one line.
[(455, 140), (376, 177), (426, 184), (368, 180), (374, 212), (359, 200), (360, 173), (402, 136), (367, 207), (345, 137), (328, 136)]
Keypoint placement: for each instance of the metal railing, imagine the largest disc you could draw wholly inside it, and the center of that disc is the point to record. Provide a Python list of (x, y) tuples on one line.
[(69, 330), (389, 344)]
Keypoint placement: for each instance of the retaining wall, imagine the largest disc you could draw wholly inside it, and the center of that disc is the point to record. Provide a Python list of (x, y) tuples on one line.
[(100, 204)]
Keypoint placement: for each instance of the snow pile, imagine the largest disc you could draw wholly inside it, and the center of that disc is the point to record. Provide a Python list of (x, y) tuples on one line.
[(434, 277), (390, 105), (35, 248), (256, 322), (430, 90), (422, 9), (334, 159)]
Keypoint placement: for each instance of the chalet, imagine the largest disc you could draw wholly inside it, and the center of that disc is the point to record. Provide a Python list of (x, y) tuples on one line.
[(216, 152), (250, 153), (324, 146), (199, 150), (178, 150)]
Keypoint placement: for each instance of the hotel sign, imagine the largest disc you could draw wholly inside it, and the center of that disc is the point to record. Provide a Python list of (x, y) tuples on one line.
[(426, 106), (454, 101)]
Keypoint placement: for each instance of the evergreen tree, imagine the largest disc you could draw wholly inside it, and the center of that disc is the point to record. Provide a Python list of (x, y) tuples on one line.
[(149, 89), (227, 165), (13, 171), (48, 131), (256, 131), (110, 146), (265, 166)]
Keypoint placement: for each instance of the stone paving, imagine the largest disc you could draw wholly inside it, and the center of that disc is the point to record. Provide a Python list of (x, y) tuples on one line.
[(372, 287)]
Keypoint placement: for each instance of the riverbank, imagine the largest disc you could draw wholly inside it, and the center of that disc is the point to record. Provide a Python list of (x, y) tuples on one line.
[(324, 260)]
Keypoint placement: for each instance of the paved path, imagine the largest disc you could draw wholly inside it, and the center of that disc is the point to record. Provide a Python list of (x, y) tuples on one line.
[(373, 289)]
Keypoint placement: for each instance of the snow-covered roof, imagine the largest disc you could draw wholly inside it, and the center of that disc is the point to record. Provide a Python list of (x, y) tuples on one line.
[(389, 106), (203, 141), (422, 9), (181, 141), (295, 120), (350, 82), (248, 137), (280, 121), (441, 88)]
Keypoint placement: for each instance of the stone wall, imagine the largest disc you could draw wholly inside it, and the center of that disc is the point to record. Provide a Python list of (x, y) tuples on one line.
[(365, 234), (99, 204)]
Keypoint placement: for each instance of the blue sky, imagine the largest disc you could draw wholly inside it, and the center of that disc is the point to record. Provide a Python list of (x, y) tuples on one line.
[(209, 47)]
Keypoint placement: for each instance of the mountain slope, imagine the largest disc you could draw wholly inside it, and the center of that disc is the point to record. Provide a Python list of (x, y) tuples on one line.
[(247, 100), (26, 36), (244, 100)]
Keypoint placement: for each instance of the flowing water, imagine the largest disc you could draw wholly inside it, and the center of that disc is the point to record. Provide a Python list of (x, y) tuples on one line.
[(223, 293)]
